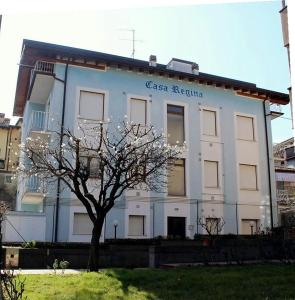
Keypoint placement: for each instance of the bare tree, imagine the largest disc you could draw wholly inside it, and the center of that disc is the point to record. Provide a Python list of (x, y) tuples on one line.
[(98, 163), (212, 224)]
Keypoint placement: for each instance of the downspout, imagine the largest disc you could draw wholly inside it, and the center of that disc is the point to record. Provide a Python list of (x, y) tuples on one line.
[(60, 148), (268, 164)]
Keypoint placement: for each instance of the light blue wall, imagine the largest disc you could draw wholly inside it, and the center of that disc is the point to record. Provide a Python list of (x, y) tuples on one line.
[(120, 83)]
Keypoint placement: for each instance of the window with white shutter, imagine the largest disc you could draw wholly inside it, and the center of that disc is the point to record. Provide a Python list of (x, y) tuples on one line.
[(248, 177), (138, 111), (136, 225), (82, 224), (245, 128), (91, 105), (209, 122), (176, 179), (211, 174)]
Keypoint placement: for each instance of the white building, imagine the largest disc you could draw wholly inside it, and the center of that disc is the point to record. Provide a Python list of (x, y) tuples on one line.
[(227, 171)]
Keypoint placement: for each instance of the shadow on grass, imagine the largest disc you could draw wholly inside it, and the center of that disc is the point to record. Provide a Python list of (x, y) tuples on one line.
[(233, 282)]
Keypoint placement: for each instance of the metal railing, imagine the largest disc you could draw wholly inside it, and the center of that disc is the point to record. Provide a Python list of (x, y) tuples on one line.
[(42, 66), (38, 121)]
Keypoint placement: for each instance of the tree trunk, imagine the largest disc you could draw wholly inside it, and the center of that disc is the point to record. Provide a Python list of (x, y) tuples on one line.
[(93, 262)]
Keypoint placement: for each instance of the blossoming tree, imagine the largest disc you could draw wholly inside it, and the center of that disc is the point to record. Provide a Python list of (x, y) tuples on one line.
[(98, 163)]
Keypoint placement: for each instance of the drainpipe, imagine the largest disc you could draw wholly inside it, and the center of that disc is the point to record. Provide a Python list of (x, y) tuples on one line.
[(268, 164), (60, 148)]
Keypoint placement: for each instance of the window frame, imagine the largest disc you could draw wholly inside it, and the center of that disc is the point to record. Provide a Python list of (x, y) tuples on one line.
[(143, 225), (80, 89), (217, 174), (147, 107), (184, 179), (184, 122), (254, 126), (256, 174)]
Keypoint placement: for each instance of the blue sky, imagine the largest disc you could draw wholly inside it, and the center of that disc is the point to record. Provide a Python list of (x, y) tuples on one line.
[(240, 40)]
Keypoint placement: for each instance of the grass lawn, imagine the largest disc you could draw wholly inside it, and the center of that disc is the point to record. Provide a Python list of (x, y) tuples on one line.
[(231, 282)]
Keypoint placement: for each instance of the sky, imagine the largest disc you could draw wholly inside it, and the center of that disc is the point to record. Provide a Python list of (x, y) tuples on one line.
[(237, 40)]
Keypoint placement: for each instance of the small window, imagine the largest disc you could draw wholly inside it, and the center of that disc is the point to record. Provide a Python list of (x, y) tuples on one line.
[(245, 128), (211, 174), (91, 105), (82, 224), (138, 111), (175, 124), (249, 226), (176, 179), (209, 122), (91, 165), (213, 225), (8, 179), (2, 164), (248, 177), (136, 225)]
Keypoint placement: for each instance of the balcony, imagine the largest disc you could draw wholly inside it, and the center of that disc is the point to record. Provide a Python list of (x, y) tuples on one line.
[(275, 111), (38, 125), (32, 193), (41, 82)]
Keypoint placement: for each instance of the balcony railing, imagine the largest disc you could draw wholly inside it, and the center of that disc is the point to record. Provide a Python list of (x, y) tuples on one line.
[(42, 66), (33, 185), (38, 122)]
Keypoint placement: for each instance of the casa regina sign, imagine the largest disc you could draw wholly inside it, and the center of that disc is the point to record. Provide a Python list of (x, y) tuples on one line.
[(173, 89)]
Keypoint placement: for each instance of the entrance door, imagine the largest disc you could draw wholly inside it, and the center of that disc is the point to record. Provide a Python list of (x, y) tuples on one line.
[(176, 226)]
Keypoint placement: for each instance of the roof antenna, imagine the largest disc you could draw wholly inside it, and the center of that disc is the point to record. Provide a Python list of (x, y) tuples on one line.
[(133, 40)]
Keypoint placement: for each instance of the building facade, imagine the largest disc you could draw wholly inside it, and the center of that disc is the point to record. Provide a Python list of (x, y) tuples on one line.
[(227, 171), (9, 156)]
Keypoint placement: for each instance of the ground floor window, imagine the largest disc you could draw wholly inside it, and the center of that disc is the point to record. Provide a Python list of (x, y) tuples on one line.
[(176, 227), (136, 225), (82, 224), (250, 226)]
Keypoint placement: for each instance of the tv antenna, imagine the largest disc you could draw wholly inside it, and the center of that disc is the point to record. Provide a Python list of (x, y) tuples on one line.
[(133, 40)]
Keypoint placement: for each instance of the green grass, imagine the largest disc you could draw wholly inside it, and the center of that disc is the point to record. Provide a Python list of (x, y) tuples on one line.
[(231, 282)]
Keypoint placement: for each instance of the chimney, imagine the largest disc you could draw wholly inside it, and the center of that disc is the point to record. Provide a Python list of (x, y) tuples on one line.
[(195, 69), (153, 61)]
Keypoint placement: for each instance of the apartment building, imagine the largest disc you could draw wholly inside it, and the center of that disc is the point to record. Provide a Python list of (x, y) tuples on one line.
[(9, 157), (227, 171)]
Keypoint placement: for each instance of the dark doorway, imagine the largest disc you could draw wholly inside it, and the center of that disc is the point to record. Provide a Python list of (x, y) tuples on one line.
[(176, 227)]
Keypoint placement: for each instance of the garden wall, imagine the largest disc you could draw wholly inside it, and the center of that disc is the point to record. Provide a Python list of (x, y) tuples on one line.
[(153, 253)]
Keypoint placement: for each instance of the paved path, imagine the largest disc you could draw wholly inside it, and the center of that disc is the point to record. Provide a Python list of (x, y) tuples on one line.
[(46, 271)]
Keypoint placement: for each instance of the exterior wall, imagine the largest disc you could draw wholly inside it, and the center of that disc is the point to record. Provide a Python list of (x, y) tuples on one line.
[(224, 201), (20, 226)]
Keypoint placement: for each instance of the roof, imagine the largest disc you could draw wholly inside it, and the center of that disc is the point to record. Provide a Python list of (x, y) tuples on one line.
[(34, 50)]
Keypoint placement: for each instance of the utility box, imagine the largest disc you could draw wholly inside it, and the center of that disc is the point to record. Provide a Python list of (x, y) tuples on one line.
[(11, 257)]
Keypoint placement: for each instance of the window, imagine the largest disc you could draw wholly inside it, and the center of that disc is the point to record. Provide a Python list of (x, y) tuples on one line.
[(2, 164), (245, 128), (82, 224), (248, 177), (211, 174), (136, 225), (91, 105), (175, 124), (138, 111), (249, 226), (176, 178), (91, 165), (209, 122), (8, 179)]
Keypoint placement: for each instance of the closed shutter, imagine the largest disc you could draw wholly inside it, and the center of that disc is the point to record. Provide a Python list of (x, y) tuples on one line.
[(91, 105), (248, 177), (136, 225), (211, 174), (138, 111), (82, 224), (209, 122), (245, 128), (176, 179)]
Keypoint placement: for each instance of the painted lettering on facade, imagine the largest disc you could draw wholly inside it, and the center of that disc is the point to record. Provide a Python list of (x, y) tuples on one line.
[(176, 89)]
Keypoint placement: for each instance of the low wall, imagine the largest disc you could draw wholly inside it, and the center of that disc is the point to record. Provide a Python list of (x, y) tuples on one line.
[(20, 226), (155, 254)]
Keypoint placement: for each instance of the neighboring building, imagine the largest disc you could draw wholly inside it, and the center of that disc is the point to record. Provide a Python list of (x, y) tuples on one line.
[(9, 157), (227, 172), (284, 157)]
